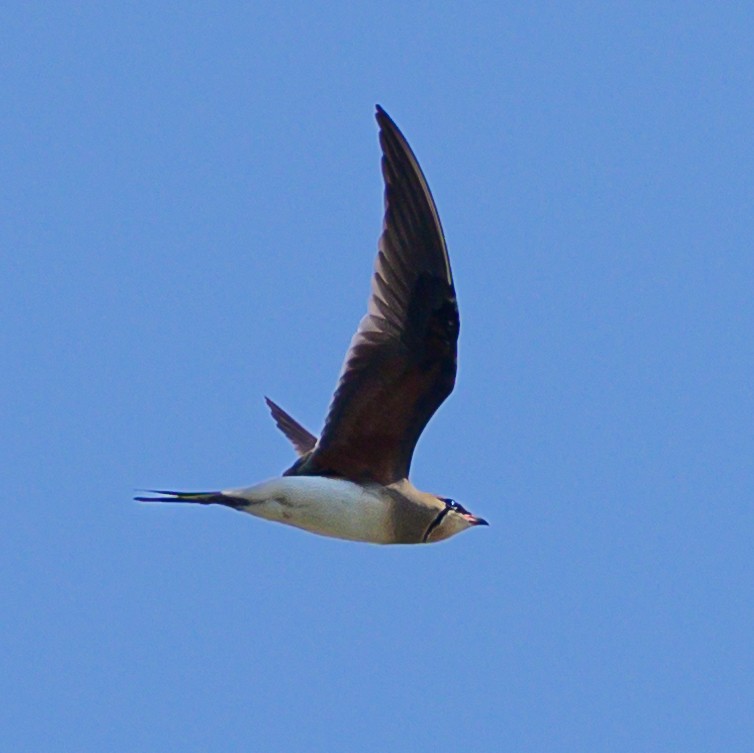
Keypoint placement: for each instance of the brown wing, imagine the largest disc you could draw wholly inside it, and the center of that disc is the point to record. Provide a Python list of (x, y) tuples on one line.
[(401, 364), (302, 439)]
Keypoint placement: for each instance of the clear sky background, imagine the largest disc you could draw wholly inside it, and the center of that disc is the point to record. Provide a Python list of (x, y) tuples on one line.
[(190, 203)]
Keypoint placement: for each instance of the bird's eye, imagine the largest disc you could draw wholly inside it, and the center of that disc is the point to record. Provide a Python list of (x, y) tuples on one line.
[(451, 504)]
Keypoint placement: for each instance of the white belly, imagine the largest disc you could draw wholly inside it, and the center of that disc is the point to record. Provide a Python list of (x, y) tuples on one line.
[(330, 507)]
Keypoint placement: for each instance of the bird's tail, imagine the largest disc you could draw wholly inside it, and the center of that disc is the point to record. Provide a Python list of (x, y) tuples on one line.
[(200, 498)]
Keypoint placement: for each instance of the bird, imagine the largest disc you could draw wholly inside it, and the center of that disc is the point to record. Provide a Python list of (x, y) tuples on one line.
[(352, 482)]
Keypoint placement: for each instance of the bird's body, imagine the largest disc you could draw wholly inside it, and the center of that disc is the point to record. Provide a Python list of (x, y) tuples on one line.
[(328, 506), (396, 514), (352, 482)]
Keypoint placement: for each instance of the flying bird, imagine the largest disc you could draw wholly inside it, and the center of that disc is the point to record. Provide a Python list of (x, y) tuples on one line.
[(352, 482)]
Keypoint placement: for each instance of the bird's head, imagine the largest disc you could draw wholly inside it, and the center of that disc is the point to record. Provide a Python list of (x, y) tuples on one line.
[(452, 518)]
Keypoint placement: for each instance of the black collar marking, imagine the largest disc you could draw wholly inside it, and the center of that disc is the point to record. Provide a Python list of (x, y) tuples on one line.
[(436, 522)]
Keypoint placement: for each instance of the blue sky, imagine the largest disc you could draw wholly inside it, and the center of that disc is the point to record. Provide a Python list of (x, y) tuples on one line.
[(190, 204)]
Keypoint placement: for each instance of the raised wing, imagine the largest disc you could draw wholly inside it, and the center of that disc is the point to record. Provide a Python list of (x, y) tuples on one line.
[(401, 364), (302, 439)]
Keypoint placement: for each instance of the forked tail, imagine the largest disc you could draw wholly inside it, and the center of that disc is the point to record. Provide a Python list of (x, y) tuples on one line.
[(200, 498)]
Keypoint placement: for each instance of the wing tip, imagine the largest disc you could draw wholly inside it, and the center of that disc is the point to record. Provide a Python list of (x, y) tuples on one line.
[(385, 122), (301, 439)]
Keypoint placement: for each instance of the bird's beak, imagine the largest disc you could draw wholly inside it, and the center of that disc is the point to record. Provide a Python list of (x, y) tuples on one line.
[(475, 521)]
